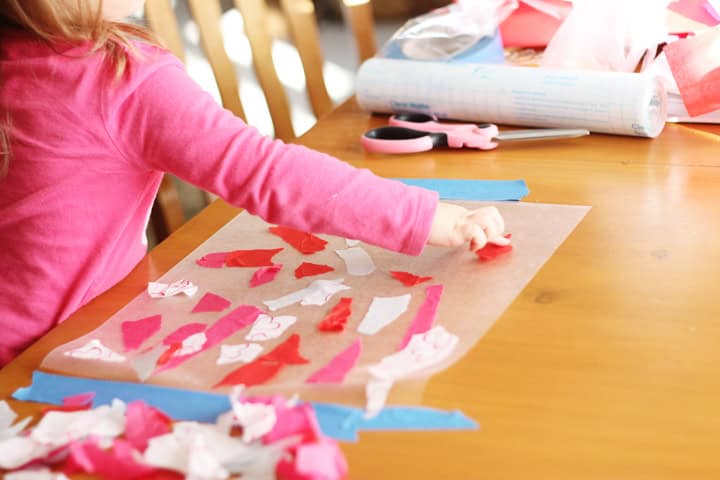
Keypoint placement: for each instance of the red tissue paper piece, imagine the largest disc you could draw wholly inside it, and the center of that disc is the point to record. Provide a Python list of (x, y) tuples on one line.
[(143, 422), (408, 279), (237, 319), (304, 242), (694, 64), (134, 333), (266, 366), (211, 303), (251, 258), (212, 260), (183, 332), (167, 354), (336, 370), (265, 275), (307, 269), (529, 27), (491, 251), (336, 320), (425, 316)]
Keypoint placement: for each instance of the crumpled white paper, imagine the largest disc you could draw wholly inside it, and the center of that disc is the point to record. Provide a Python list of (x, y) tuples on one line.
[(243, 352), (95, 350), (162, 290), (267, 327), (317, 293), (423, 351)]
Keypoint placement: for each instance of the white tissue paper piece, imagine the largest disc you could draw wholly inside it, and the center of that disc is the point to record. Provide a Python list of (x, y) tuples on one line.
[(244, 352), (191, 344), (58, 428), (317, 293), (424, 350), (7, 417), (352, 243), (357, 261), (145, 362), (35, 474), (162, 290), (207, 452), (256, 419), (95, 350), (267, 327), (382, 312)]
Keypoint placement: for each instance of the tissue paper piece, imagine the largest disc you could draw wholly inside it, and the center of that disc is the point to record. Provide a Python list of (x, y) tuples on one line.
[(491, 251), (35, 473), (162, 290), (56, 429), (144, 363), (192, 344), (336, 370), (382, 312), (267, 366), (357, 261), (336, 320), (239, 318), (696, 68), (143, 422), (409, 279), (267, 327), (212, 260), (321, 459), (317, 293), (251, 258), (351, 242), (304, 242), (265, 275), (135, 332), (182, 332), (244, 352), (425, 316), (256, 419), (7, 417), (211, 302), (118, 463), (695, 10), (307, 269), (95, 350), (423, 351)]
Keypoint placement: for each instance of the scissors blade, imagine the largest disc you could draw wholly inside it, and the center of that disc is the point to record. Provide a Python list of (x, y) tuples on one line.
[(540, 134)]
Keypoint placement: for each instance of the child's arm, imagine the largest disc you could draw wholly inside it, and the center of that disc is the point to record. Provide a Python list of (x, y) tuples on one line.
[(160, 119)]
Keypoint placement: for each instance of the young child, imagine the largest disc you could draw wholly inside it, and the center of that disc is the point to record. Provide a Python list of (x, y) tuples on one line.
[(93, 114)]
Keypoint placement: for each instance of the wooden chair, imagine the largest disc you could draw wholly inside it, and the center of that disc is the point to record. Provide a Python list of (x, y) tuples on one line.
[(299, 16)]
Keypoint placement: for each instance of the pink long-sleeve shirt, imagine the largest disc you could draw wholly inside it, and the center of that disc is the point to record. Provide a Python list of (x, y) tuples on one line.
[(88, 155)]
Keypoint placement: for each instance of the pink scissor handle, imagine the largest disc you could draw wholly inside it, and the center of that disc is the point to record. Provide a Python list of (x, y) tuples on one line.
[(458, 134)]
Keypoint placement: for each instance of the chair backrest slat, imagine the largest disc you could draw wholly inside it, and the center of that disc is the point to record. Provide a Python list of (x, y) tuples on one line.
[(161, 19), (303, 28), (255, 17), (207, 15), (359, 15)]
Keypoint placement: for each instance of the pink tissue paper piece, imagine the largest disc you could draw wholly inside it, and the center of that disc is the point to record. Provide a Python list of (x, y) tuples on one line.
[(425, 316), (695, 65), (320, 460), (694, 10), (336, 370), (212, 260), (265, 275), (118, 463), (211, 303), (239, 318), (134, 333), (183, 332), (143, 422), (291, 421)]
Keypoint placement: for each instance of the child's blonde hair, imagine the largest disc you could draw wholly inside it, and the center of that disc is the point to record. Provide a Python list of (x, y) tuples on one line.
[(70, 21)]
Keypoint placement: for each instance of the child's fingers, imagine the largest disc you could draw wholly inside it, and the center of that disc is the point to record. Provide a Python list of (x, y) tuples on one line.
[(478, 239), (499, 240)]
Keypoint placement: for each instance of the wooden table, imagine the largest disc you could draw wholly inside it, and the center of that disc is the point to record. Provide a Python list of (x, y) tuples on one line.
[(606, 366)]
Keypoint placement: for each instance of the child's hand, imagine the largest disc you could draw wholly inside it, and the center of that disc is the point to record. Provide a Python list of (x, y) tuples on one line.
[(454, 225)]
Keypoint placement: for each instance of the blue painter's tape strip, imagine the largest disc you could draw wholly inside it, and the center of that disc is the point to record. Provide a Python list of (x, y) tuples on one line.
[(336, 421), (488, 190)]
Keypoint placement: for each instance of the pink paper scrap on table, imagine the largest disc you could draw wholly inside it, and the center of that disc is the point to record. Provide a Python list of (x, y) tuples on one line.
[(134, 333), (212, 260), (425, 316), (336, 370), (695, 64), (181, 333), (211, 302), (265, 275)]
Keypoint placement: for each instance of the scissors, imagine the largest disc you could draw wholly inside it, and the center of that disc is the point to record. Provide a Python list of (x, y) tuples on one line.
[(418, 132)]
